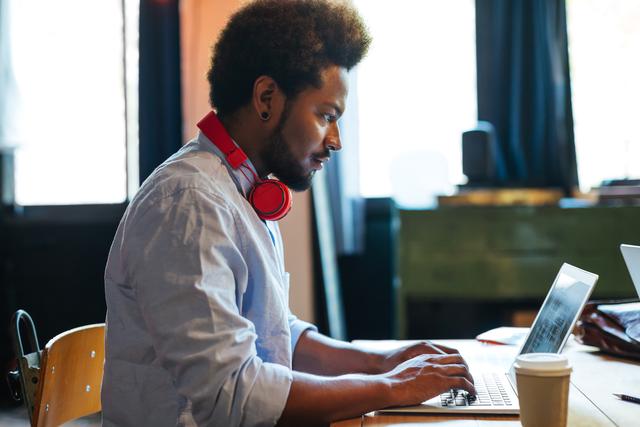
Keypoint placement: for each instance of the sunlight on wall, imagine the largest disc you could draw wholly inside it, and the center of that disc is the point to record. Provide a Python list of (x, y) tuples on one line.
[(416, 95), (604, 50)]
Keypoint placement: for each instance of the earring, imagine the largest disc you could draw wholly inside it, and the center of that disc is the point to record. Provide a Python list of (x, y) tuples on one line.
[(265, 116)]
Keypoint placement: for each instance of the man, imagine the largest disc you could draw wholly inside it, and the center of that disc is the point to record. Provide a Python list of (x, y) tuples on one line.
[(198, 326)]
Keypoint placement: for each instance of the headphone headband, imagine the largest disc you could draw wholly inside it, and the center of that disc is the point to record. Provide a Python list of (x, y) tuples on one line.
[(213, 129)]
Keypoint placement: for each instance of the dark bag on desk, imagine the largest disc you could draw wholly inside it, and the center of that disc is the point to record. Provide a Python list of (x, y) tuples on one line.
[(612, 326)]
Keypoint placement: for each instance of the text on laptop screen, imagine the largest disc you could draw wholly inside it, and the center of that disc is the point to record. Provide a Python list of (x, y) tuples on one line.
[(556, 316)]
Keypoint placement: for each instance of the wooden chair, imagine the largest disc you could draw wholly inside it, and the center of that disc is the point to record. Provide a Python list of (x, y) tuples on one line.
[(70, 377)]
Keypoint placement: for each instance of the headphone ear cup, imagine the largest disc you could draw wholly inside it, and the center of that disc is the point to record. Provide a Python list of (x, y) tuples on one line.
[(271, 199)]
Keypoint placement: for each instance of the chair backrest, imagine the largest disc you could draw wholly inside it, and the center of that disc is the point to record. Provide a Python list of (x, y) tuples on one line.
[(71, 370)]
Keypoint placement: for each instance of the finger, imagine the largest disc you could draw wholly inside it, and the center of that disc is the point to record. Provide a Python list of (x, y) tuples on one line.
[(462, 383), (442, 349), (448, 359), (454, 371), (445, 349), (423, 347), (456, 359)]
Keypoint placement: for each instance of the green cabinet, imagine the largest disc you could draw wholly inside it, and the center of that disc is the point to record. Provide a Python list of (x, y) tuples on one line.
[(507, 254)]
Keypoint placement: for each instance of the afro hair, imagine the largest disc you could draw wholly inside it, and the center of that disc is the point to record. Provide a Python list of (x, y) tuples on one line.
[(291, 41)]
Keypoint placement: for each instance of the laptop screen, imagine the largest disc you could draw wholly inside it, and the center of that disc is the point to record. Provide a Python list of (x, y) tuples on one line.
[(631, 256), (557, 316), (560, 311)]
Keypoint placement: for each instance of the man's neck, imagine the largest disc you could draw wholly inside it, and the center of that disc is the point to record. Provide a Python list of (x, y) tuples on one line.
[(249, 137)]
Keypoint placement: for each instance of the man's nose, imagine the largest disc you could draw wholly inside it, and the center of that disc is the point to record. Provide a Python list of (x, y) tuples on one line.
[(332, 140)]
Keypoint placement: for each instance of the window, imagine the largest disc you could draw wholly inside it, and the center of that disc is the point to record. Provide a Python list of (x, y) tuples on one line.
[(604, 46), (416, 95), (72, 104)]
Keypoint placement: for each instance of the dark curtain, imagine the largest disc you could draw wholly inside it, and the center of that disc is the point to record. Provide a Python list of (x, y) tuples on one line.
[(524, 90), (160, 115)]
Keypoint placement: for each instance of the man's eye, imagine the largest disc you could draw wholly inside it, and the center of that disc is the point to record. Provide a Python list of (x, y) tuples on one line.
[(330, 117)]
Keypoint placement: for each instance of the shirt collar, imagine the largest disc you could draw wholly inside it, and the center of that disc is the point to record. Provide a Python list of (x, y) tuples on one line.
[(242, 177)]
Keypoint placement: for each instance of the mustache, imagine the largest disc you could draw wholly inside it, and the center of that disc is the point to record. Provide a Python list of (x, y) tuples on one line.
[(326, 154)]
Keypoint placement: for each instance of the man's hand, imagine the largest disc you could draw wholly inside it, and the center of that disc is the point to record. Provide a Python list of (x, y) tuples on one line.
[(428, 375), (334, 380), (392, 358), (318, 400)]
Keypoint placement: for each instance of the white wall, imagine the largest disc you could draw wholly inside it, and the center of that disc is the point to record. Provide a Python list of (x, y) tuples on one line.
[(201, 21)]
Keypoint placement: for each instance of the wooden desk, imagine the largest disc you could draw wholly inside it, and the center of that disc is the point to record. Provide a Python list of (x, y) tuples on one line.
[(591, 403)]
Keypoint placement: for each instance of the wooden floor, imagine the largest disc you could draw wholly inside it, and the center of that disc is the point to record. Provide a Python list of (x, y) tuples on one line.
[(17, 417)]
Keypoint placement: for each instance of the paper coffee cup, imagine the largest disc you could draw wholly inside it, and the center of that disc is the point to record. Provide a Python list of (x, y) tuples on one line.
[(543, 389)]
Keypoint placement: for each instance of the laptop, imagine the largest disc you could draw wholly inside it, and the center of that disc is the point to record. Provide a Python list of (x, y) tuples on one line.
[(497, 391), (631, 255)]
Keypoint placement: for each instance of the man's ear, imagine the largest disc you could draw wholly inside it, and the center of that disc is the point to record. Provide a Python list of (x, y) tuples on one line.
[(268, 99)]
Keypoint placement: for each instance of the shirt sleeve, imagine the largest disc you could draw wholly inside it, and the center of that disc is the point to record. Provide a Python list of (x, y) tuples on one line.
[(185, 270), (297, 327)]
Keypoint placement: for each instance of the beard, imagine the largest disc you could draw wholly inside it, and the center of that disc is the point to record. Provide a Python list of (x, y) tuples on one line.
[(280, 160)]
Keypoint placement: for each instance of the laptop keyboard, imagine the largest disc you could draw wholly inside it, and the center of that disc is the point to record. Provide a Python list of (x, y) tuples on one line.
[(491, 392)]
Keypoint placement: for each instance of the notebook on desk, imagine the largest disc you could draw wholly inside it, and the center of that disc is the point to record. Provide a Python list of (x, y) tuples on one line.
[(497, 392)]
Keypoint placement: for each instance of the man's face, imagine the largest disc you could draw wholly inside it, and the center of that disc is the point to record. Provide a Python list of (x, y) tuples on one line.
[(308, 131)]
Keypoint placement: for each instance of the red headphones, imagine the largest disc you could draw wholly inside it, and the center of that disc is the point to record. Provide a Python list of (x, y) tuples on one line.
[(270, 198)]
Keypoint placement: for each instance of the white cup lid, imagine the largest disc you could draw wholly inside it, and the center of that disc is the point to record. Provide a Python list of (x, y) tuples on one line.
[(542, 362)]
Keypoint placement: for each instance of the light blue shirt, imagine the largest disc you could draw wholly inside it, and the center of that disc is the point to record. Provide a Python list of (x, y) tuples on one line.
[(199, 330)]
